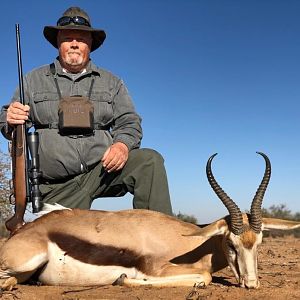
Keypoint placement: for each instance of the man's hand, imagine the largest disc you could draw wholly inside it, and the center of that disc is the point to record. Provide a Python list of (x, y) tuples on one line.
[(17, 113), (115, 157)]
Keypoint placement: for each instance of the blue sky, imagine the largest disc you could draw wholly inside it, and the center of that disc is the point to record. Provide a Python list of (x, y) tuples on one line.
[(206, 76)]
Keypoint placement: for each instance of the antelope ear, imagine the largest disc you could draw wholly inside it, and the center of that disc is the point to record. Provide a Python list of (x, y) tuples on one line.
[(271, 223), (215, 228)]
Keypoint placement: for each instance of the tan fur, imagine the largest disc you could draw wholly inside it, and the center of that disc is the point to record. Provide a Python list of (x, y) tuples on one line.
[(80, 247), (248, 239)]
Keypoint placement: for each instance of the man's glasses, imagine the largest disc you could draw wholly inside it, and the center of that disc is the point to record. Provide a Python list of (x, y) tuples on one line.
[(63, 21)]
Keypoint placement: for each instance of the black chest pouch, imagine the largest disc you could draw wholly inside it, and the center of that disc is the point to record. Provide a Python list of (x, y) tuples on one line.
[(75, 115)]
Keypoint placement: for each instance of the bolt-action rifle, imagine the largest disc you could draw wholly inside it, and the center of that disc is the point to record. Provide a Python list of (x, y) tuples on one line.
[(25, 171)]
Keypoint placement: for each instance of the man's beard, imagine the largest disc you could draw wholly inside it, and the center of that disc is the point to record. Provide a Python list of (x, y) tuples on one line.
[(74, 60)]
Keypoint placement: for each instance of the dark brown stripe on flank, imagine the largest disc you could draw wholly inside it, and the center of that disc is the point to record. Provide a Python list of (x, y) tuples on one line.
[(100, 255)]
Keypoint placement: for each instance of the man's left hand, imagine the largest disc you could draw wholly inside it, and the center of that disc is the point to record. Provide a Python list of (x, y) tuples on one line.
[(115, 157)]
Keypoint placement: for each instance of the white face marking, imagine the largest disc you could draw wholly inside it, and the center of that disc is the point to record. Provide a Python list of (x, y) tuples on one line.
[(243, 260)]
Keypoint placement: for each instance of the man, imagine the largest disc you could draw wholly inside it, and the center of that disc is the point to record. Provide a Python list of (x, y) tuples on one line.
[(88, 129)]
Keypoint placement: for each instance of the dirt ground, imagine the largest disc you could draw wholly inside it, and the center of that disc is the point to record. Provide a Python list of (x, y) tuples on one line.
[(279, 272)]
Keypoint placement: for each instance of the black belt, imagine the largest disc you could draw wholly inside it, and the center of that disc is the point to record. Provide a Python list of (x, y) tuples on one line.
[(97, 126)]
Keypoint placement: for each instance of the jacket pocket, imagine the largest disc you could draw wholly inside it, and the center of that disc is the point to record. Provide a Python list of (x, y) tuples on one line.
[(103, 110), (45, 107)]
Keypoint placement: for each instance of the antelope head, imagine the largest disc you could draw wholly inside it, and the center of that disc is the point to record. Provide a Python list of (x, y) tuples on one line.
[(242, 232)]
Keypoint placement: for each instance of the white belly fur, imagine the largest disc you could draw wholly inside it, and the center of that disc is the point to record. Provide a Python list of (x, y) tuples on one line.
[(62, 269)]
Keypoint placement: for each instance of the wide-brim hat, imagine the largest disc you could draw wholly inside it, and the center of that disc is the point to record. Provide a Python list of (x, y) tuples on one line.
[(74, 18)]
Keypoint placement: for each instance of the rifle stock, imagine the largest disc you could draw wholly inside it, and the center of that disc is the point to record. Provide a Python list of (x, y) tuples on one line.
[(19, 169)]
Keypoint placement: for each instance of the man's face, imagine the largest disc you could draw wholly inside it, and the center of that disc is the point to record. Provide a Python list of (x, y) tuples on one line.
[(74, 49)]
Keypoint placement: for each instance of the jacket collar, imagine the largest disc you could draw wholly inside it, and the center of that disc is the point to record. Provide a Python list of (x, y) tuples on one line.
[(90, 69)]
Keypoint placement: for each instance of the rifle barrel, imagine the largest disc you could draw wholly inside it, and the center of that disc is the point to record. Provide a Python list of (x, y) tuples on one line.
[(20, 69)]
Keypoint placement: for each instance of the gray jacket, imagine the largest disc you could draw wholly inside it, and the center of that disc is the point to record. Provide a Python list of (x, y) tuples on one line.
[(63, 156)]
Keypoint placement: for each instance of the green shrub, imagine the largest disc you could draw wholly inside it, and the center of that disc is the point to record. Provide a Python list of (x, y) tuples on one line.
[(186, 218)]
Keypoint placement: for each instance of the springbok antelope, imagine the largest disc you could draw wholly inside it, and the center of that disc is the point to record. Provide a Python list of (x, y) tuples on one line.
[(138, 247)]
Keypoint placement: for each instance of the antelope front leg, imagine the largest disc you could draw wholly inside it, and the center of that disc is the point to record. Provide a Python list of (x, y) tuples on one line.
[(169, 281), (171, 275), (8, 283)]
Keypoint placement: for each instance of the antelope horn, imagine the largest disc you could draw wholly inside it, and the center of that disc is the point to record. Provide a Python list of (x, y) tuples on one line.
[(255, 211), (234, 211)]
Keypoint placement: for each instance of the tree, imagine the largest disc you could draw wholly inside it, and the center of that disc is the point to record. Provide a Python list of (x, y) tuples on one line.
[(297, 216), (5, 191), (278, 211)]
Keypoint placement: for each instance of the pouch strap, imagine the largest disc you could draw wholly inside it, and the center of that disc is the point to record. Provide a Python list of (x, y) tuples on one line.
[(97, 126), (52, 70), (91, 87)]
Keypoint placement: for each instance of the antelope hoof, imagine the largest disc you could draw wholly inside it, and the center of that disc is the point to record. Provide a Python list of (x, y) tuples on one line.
[(120, 280), (8, 284)]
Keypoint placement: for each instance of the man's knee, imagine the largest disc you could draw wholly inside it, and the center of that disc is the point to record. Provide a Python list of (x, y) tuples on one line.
[(147, 155)]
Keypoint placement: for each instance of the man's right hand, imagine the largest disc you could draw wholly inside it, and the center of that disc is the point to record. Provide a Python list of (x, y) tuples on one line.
[(17, 113)]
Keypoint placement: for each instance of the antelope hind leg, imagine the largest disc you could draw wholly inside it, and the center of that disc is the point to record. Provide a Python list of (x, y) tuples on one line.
[(21, 265)]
